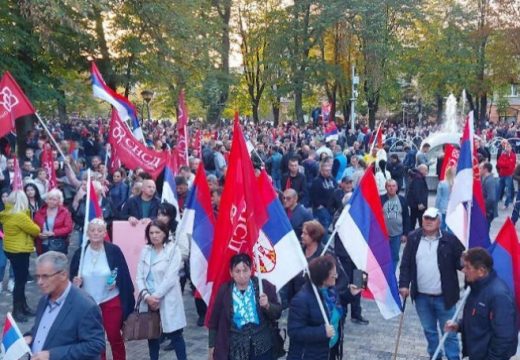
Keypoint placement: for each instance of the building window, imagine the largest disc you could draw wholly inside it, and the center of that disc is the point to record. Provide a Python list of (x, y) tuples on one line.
[(514, 90)]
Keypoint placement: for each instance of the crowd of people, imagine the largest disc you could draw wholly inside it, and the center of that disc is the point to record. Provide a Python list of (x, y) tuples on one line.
[(315, 177)]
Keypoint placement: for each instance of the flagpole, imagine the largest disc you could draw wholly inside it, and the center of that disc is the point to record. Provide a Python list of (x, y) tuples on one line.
[(53, 140), (453, 319), (85, 225), (259, 271), (401, 321), (320, 303), (329, 241)]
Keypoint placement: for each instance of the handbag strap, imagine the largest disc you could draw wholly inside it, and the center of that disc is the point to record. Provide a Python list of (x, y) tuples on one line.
[(139, 299)]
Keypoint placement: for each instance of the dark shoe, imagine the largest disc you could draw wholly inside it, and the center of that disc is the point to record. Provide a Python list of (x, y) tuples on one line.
[(200, 321), (18, 315), (169, 347), (359, 320)]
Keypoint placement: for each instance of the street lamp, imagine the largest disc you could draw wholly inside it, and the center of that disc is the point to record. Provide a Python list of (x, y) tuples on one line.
[(147, 97)]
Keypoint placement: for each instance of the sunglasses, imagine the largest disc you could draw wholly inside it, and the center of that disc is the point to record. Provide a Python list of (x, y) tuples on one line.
[(430, 218)]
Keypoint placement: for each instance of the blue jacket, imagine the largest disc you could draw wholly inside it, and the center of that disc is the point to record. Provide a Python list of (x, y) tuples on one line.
[(298, 216), (275, 164), (338, 166), (306, 328), (77, 333), (488, 325)]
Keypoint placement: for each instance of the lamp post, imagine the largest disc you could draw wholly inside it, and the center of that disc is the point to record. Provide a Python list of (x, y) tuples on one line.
[(147, 97)]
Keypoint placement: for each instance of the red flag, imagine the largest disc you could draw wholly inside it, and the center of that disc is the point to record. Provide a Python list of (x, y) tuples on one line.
[(241, 214), (17, 179), (182, 136), (197, 143), (451, 156), (13, 104), (48, 165), (131, 152), (115, 162)]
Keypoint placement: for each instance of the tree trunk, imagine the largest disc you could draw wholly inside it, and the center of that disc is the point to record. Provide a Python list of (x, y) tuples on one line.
[(254, 107), (298, 105), (440, 104), (276, 113), (483, 111)]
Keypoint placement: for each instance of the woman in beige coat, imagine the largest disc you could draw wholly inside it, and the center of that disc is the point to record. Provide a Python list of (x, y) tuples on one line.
[(158, 276)]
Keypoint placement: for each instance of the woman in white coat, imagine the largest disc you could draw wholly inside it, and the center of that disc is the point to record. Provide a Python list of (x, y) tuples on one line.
[(158, 276)]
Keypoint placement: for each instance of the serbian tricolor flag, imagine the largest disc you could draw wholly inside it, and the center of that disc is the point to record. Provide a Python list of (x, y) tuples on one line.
[(182, 132), (14, 346), (124, 107), (198, 225), (331, 131), (279, 250), (457, 214), (479, 227), (241, 214), (362, 230), (47, 163), (506, 260), (13, 104), (169, 190)]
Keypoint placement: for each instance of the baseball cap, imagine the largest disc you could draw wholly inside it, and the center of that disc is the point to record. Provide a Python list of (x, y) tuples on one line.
[(431, 212)]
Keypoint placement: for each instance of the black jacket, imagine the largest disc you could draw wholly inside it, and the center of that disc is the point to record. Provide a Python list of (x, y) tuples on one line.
[(417, 190), (133, 208), (405, 210), (449, 255), (115, 259), (397, 172), (297, 183), (488, 325)]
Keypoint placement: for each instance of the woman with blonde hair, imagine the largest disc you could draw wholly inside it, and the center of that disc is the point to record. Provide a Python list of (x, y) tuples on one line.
[(55, 223), (443, 194), (19, 234)]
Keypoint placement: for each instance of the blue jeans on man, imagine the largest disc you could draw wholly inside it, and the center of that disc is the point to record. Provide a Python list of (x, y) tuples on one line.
[(432, 313), (516, 208), (395, 247), (505, 183)]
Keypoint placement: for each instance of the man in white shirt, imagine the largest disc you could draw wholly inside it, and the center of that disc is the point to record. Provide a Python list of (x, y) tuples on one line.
[(428, 273)]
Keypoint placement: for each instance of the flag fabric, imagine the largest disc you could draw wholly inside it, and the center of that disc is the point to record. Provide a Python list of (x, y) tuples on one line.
[(241, 214), (506, 260), (169, 190), (124, 107), (115, 162), (13, 104), (479, 227), (451, 156), (331, 131), (457, 214), (278, 248), (131, 152), (377, 138), (47, 163), (198, 225), (14, 346), (197, 143), (362, 230), (17, 183), (325, 112)]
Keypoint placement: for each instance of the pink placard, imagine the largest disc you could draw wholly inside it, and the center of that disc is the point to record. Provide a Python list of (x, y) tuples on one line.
[(131, 240)]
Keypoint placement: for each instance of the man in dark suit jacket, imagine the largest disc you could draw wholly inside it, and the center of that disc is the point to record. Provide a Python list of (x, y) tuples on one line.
[(68, 324), (296, 213)]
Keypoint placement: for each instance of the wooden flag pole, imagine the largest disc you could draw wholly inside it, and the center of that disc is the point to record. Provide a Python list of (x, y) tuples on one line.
[(259, 271), (85, 226), (320, 303), (53, 140), (401, 321)]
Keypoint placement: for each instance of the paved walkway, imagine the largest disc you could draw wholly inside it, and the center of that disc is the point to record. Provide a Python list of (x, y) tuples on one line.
[(374, 341)]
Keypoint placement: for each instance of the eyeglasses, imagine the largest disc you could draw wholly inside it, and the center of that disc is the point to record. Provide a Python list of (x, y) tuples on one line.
[(335, 276), (287, 197), (46, 277), (430, 218)]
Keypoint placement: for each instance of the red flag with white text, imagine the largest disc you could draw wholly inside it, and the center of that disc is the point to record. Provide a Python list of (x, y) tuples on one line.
[(13, 104), (241, 214), (131, 152)]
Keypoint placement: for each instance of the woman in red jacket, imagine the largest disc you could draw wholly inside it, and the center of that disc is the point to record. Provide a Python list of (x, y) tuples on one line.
[(55, 223), (506, 164)]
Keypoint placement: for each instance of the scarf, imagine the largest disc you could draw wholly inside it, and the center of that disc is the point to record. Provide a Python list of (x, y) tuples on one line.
[(244, 306)]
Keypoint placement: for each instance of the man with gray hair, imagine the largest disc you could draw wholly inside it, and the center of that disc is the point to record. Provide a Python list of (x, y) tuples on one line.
[(68, 322)]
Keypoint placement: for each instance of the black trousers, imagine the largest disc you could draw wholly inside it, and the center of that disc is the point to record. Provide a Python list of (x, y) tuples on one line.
[(415, 215), (20, 264)]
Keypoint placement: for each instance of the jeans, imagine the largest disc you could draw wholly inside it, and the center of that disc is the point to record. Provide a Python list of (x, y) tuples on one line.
[(516, 209), (20, 265), (3, 262), (395, 247), (178, 344), (505, 183), (432, 313)]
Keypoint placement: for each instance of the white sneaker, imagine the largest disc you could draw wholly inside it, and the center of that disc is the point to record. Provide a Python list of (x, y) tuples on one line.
[(10, 285)]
